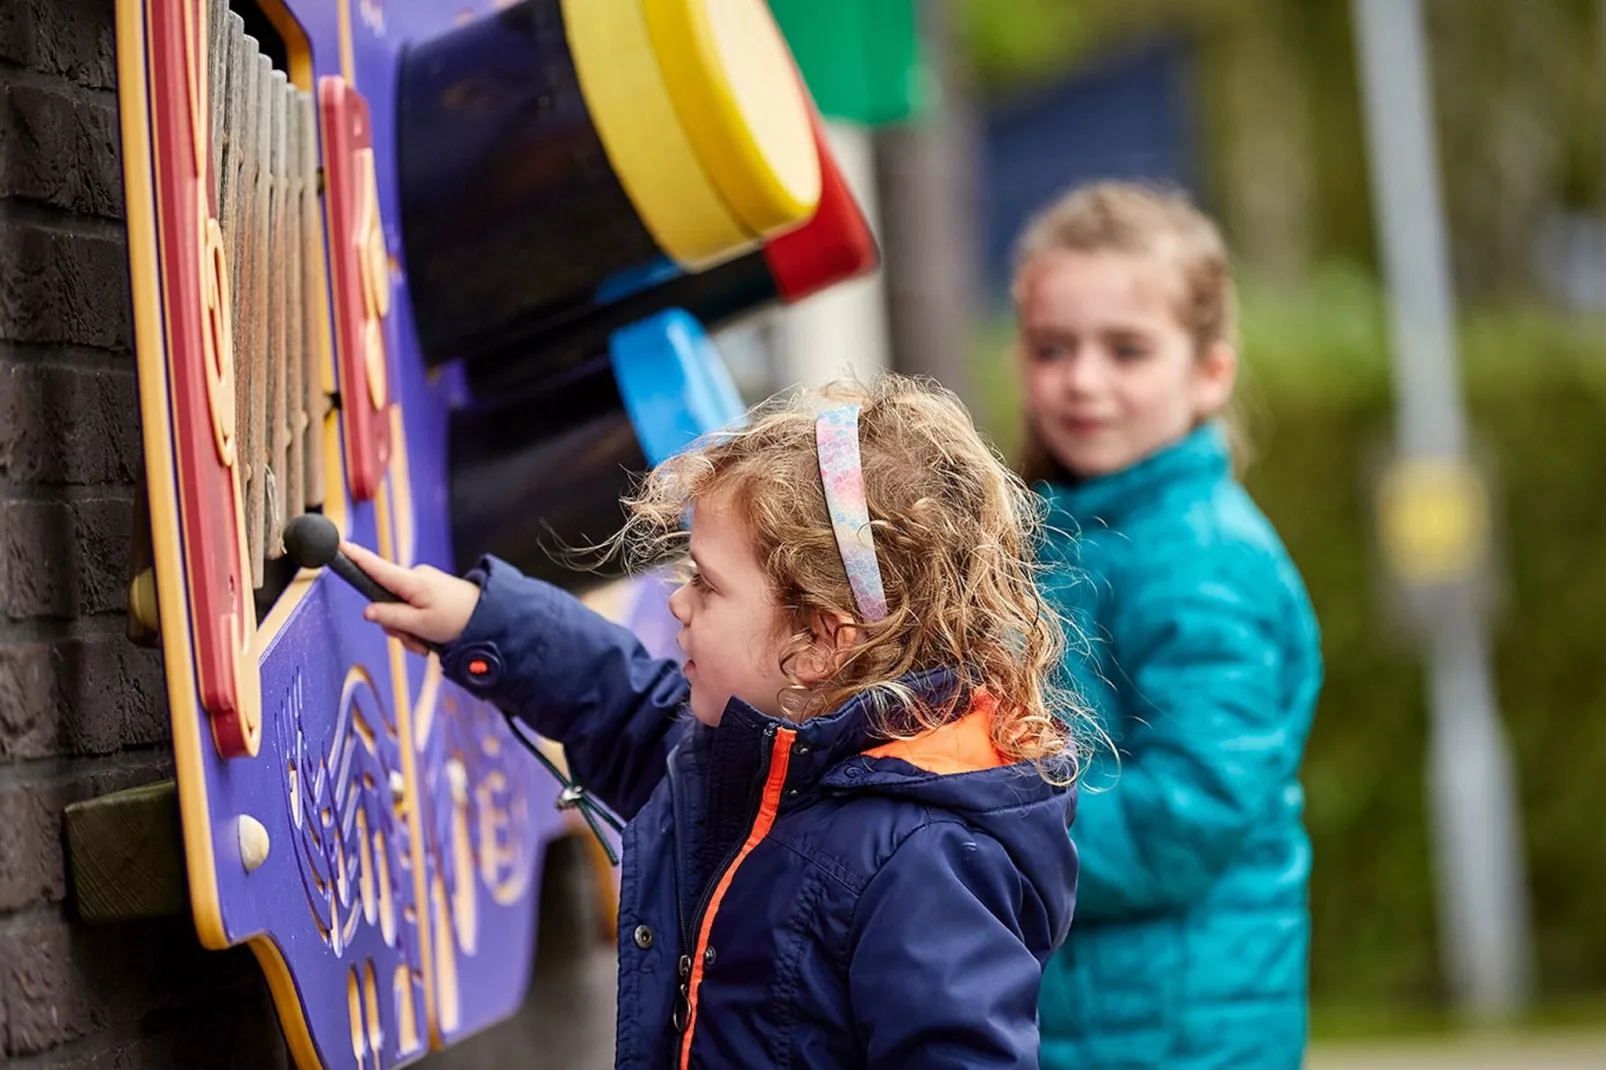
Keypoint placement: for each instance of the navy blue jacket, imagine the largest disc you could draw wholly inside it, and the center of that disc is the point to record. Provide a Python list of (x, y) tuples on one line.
[(788, 899)]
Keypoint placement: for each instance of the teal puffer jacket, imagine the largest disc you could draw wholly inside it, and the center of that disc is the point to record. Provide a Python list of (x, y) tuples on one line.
[(1200, 655)]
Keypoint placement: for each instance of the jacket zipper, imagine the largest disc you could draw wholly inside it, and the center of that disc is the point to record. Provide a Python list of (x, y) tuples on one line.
[(777, 755), (680, 872), (683, 967)]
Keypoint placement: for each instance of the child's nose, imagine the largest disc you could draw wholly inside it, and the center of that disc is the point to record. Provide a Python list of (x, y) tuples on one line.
[(1084, 374), (679, 604)]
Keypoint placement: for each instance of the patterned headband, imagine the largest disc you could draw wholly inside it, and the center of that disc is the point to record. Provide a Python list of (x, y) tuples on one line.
[(836, 435)]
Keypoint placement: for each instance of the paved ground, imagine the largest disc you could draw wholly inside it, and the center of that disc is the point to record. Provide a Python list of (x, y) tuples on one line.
[(568, 1021), (1561, 1051)]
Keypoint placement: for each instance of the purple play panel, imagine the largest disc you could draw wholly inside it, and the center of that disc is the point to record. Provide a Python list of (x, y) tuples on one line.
[(381, 955)]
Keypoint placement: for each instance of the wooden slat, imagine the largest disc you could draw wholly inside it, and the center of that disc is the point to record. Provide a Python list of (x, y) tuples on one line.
[(241, 236), (278, 290), (231, 213), (317, 402), (295, 393), (217, 69), (261, 224), (265, 168)]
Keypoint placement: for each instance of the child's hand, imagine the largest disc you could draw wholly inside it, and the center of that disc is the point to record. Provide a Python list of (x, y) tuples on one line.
[(435, 606)]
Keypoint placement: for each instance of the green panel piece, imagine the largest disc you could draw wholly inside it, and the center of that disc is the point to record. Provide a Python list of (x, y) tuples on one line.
[(861, 58)]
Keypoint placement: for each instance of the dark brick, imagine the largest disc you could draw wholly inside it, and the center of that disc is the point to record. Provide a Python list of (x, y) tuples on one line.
[(68, 425), (60, 148), (33, 867), (63, 287), (64, 559), (243, 1034), (90, 694), (75, 39), (61, 982)]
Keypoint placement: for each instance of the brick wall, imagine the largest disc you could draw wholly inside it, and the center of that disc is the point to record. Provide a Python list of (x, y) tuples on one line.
[(82, 711)]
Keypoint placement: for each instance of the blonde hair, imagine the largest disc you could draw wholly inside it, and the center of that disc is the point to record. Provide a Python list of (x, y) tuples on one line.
[(954, 534), (1124, 217)]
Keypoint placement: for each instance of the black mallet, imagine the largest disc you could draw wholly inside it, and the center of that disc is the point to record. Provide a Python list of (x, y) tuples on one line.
[(312, 541)]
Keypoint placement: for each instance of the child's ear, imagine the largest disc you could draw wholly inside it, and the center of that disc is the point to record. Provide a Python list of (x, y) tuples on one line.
[(834, 634), (1216, 375)]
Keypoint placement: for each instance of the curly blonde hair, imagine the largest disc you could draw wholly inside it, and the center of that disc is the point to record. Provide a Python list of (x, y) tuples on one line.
[(954, 531)]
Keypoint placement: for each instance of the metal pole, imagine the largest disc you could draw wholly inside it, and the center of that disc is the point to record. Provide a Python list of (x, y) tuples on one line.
[(925, 171), (1477, 849)]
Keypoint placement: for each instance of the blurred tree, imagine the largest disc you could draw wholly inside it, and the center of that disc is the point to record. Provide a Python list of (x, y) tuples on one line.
[(1520, 104), (1497, 84)]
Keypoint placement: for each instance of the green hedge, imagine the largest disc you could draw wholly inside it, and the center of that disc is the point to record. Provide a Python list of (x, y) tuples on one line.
[(1319, 404)]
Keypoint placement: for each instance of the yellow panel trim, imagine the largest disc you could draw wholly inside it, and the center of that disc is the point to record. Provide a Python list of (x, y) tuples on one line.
[(404, 516), (151, 361), (738, 94), (348, 62), (288, 1002), (295, 42), (150, 355), (648, 147), (402, 697), (161, 477)]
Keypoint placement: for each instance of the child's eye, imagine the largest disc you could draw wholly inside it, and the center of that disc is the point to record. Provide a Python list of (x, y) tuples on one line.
[(690, 576), (1050, 351), (1126, 351)]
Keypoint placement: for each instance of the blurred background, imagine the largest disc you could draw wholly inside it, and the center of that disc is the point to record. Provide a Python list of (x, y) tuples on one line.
[(1415, 193)]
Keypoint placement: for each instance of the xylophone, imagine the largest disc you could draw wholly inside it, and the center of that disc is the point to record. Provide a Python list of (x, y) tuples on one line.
[(442, 274)]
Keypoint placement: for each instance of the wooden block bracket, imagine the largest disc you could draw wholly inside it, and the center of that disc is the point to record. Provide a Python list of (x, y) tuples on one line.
[(125, 852)]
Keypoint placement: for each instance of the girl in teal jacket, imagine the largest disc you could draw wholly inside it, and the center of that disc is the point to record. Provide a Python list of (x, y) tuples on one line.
[(1200, 651)]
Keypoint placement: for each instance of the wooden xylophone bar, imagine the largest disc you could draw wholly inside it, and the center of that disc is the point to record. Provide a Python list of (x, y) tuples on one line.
[(265, 179)]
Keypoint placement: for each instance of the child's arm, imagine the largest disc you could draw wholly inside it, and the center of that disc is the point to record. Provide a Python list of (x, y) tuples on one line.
[(1208, 746), (539, 654), (939, 975)]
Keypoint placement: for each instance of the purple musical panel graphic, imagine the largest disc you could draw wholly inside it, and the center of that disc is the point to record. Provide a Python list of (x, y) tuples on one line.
[(395, 907)]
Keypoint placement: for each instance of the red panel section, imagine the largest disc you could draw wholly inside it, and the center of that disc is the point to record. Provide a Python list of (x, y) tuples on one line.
[(215, 578), (834, 246), (361, 300)]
